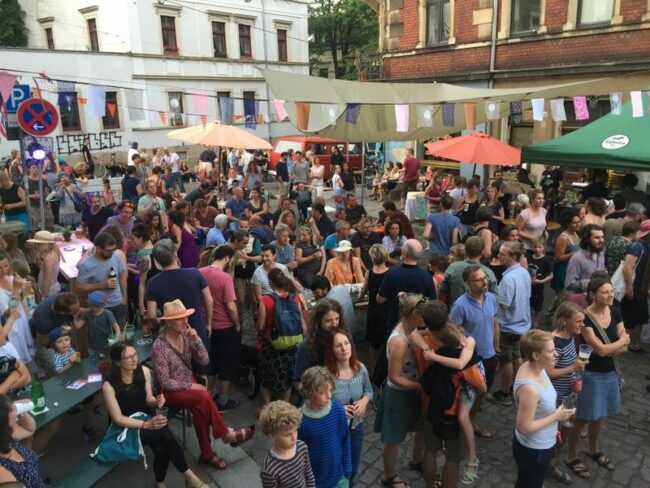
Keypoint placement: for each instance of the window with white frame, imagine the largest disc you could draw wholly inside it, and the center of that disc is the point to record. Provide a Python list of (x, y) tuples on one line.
[(437, 21), (49, 37), (219, 39), (525, 16), (282, 45), (245, 46), (595, 11), (93, 38)]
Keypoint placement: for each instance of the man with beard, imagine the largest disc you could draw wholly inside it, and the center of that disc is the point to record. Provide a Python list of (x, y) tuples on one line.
[(588, 259), (363, 240)]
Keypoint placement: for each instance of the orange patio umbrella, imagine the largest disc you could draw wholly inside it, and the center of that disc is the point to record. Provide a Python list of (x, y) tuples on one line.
[(216, 134), (477, 148)]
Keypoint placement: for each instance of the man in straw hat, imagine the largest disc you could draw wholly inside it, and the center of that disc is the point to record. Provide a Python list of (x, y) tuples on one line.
[(172, 353)]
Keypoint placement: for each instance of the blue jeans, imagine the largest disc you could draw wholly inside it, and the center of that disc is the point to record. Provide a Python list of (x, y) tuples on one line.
[(178, 178), (356, 440)]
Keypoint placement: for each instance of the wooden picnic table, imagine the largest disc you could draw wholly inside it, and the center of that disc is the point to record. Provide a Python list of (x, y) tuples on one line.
[(56, 391)]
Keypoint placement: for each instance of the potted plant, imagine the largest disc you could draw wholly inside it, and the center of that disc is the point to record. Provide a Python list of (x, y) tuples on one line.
[(67, 233)]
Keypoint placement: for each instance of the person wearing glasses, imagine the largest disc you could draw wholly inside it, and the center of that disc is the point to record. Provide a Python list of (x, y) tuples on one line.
[(95, 275)]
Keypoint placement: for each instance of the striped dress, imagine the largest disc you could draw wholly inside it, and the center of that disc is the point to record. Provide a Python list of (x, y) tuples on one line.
[(288, 473), (566, 356)]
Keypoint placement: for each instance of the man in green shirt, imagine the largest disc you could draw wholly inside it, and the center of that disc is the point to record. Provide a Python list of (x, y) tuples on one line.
[(150, 202), (453, 285)]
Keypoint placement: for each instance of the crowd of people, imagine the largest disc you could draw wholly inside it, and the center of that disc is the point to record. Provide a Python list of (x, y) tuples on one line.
[(239, 282)]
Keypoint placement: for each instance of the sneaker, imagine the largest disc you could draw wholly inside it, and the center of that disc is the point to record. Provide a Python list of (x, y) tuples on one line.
[(229, 405), (501, 398)]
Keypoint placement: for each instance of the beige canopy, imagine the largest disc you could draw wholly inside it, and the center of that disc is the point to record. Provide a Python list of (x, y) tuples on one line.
[(216, 134), (327, 99)]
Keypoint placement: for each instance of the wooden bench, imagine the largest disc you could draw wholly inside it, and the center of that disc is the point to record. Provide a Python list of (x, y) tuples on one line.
[(87, 473)]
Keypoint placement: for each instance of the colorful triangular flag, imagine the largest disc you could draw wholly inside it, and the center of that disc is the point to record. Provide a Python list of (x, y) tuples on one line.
[(402, 118), (516, 113), (448, 118), (425, 115), (580, 108), (616, 103), (280, 111), (492, 110), (558, 112), (163, 116), (538, 109), (302, 115), (352, 112)]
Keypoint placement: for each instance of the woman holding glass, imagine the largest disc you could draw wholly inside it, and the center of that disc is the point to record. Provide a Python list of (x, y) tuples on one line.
[(600, 396), (127, 390), (533, 444), (568, 322)]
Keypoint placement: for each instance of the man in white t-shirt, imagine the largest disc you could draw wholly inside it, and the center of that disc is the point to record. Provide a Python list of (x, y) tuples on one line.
[(130, 153), (172, 160)]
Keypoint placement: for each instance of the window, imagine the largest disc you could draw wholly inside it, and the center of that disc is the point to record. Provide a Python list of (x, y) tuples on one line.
[(595, 11), (245, 50), (112, 118), (69, 111), (92, 34), (49, 37), (437, 21), (282, 45), (525, 16), (219, 39), (176, 109), (168, 25), (324, 72), (248, 95)]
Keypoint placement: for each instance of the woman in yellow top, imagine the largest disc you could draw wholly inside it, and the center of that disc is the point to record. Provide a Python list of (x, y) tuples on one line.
[(344, 269)]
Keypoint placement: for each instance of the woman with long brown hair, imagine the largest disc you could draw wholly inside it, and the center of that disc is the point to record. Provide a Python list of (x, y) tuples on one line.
[(353, 389)]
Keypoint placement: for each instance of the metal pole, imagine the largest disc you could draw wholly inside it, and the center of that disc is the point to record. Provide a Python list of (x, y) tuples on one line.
[(363, 174), (41, 203)]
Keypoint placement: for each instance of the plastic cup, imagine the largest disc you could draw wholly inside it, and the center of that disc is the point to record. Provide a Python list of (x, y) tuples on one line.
[(162, 411), (569, 403), (585, 352)]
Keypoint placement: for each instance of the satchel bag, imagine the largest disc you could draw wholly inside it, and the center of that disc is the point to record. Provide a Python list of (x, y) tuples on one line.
[(603, 336), (618, 280), (121, 444), (79, 205)]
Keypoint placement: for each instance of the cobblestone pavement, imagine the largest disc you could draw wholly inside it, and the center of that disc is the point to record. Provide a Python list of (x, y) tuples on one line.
[(625, 438)]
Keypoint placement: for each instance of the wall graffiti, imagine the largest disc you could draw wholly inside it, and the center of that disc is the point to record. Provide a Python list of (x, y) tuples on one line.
[(99, 141)]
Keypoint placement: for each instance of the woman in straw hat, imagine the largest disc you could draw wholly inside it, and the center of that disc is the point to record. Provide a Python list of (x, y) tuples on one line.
[(48, 258), (172, 353), (345, 269)]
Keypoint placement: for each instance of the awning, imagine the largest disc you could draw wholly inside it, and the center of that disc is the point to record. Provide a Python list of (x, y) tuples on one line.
[(376, 121), (611, 142)]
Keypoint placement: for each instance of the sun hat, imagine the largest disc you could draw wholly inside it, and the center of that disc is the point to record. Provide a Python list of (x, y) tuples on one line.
[(42, 237), (344, 246), (644, 229), (175, 310), (97, 298)]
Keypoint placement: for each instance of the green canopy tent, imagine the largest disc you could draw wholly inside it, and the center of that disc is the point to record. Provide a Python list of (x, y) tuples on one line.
[(611, 142)]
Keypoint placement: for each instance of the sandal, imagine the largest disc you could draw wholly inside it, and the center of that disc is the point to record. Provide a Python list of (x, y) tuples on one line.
[(560, 476), (241, 435), (216, 461), (482, 432), (393, 481), (578, 468), (470, 475), (601, 459)]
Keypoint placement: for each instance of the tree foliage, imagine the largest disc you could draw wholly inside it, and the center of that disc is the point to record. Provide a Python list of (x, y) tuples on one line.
[(13, 32), (338, 27)]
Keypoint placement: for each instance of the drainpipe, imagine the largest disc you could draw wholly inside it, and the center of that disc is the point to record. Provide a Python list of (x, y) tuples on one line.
[(493, 56)]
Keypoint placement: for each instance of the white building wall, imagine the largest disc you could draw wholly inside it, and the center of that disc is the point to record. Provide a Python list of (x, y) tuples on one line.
[(131, 55)]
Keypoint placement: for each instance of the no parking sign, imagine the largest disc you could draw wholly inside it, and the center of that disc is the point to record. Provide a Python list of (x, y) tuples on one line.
[(37, 117)]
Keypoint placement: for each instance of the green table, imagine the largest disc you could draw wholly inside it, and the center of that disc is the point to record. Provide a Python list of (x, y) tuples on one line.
[(56, 390)]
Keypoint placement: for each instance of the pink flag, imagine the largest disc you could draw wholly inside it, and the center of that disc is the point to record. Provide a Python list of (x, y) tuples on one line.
[(7, 82), (280, 112), (580, 108), (200, 103), (636, 97), (402, 118)]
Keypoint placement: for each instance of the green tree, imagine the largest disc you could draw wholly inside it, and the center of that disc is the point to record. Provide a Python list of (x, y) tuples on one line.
[(13, 32), (339, 27)]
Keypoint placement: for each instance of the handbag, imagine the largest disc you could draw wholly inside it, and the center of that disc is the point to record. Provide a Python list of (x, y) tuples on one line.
[(121, 444), (618, 281), (603, 335), (79, 205)]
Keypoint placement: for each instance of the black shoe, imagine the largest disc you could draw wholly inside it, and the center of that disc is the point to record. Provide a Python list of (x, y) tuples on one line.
[(229, 405), (500, 398)]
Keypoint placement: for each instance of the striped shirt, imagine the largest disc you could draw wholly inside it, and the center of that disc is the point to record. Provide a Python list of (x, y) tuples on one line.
[(61, 359), (327, 437), (288, 473), (566, 356)]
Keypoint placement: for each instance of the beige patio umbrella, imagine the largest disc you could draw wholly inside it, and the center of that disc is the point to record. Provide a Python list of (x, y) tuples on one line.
[(216, 134)]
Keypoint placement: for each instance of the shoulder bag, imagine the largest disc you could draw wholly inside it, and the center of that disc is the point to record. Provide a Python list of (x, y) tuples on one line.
[(121, 444)]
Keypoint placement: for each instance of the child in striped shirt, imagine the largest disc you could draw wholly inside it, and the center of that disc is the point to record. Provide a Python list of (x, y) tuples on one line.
[(64, 354), (325, 430), (287, 463)]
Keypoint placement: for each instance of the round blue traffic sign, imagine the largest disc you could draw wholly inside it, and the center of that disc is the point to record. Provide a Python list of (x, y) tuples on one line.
[(37, 117)]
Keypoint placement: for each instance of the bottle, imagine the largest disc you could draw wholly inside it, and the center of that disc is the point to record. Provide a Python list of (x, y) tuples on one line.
[(112, 273), (38, 394), (30, 299)]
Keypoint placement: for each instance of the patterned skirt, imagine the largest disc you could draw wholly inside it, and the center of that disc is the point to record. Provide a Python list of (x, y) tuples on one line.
[(277, 369)]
